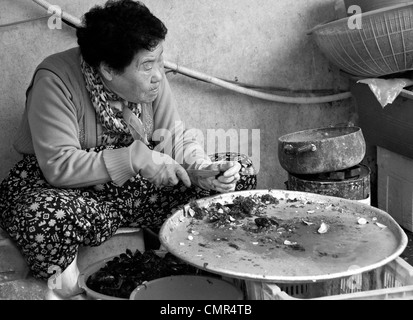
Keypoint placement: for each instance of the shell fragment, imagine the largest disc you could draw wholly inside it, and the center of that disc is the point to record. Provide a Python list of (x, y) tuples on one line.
[(191, 212), (362, 221), (307, 223), (381, 226), (323, 228)]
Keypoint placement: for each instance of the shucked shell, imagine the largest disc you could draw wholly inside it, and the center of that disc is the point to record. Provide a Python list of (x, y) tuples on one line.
[(382, 226), (307, 222), (323, 228)]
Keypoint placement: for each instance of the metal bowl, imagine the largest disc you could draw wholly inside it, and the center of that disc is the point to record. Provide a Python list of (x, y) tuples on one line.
[(187, 287), (232, 252)]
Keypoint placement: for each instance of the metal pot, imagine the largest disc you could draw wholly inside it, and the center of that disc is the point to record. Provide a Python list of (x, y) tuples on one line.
[(321, 150), (356, 187)]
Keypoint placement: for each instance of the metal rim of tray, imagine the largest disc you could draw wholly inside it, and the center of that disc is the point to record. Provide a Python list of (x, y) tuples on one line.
[(399, 234)]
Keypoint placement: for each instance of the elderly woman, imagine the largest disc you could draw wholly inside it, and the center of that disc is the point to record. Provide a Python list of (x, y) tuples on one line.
[(103, 145)]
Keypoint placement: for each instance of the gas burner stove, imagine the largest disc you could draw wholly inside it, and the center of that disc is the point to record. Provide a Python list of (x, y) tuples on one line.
[(341, 175)]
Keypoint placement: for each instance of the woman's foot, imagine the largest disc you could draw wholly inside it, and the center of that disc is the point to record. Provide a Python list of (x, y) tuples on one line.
[(53, 295), (64, 286)]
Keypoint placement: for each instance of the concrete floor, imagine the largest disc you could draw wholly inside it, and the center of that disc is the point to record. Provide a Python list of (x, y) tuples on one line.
[(16, 283)]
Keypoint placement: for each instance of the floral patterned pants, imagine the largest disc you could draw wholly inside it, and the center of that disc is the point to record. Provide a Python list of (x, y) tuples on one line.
[(48, 224)]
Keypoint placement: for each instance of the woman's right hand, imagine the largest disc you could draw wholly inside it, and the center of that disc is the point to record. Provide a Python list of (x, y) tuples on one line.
[(165, 171)]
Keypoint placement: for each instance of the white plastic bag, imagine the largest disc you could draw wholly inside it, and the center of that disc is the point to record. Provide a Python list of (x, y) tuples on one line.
[(386, 90)]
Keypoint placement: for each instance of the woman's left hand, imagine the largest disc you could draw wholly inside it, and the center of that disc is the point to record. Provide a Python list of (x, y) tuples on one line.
[(226, 180)]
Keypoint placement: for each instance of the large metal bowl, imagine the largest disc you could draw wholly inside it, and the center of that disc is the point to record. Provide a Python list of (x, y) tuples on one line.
[(187, 287), (351, 248), (86, 273)]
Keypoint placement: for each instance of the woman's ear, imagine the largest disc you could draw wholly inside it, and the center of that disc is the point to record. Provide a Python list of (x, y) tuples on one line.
[(106, 71)]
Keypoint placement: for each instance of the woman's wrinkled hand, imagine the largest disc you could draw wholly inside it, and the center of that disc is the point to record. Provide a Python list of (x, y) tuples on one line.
[(226, 180), (165, 172)]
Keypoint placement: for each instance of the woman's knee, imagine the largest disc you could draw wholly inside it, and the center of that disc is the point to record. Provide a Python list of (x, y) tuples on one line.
[(46, 237)]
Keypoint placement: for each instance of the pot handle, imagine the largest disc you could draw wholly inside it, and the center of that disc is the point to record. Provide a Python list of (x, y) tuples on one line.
[(289, 149)]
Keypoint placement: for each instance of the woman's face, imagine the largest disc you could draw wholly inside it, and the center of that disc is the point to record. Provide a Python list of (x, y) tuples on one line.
[(140, 81)]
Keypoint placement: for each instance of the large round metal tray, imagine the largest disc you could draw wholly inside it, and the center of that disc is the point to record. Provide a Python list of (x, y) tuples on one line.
[(347, 248)]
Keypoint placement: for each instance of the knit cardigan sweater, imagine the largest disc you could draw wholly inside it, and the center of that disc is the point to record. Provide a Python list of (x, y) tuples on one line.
[(59, 123)]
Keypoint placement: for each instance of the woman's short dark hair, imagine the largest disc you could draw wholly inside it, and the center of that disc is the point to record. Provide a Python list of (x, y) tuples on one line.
[(116, 32)]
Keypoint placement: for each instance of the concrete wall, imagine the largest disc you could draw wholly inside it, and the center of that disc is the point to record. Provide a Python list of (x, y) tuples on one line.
[(263, 43)]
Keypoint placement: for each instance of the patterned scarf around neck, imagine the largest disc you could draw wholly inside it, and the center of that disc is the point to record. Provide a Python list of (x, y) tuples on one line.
[(115, 128)]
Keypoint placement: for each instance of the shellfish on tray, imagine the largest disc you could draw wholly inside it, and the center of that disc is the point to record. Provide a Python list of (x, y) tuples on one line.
[(258, 251)]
